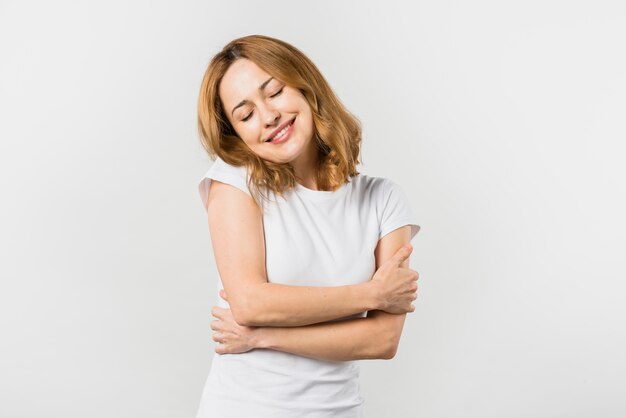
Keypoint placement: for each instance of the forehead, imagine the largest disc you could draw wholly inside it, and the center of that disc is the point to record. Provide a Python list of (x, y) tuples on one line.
[(241, 81)]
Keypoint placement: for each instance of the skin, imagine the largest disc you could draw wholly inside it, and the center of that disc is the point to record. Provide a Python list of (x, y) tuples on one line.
[(267, 110), (296, 313), (375, 337)]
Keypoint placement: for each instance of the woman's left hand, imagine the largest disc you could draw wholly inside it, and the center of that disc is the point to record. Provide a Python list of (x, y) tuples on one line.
[(232, 337)]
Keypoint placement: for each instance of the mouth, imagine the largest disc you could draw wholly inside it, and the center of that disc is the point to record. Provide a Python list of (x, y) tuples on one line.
[(281, 132)]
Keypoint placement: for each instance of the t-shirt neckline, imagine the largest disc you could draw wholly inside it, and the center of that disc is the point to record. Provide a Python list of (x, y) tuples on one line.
[(322, 194)]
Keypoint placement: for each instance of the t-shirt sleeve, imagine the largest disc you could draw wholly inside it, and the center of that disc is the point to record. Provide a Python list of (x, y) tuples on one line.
[(396, 210), (225, 173)]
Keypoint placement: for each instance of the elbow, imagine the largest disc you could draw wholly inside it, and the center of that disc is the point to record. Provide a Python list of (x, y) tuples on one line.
[(249, 314), (242, 317), (245, 306), (382, 351), (390, 347), (390, 330), (385, 345), (250, 311), (241, 312), (389, 352)]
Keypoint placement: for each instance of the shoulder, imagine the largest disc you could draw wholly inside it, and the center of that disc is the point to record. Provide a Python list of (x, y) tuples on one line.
[(375, 187), (220, 166), (223, 172), (392, 203)]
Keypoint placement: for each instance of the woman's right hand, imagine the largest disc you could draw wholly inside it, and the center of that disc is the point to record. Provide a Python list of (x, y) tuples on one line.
[(396, 286)]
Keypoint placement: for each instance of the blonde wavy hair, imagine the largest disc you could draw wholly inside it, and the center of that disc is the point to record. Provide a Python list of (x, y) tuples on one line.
[(336, 130)]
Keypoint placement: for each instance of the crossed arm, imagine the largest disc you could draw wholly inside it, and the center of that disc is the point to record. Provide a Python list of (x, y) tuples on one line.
[(293, 318)]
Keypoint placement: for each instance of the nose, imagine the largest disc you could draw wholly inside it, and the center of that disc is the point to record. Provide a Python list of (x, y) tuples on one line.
[(271, 116)]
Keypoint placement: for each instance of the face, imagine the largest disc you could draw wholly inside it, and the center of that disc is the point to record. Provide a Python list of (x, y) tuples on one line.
[(257, 105)]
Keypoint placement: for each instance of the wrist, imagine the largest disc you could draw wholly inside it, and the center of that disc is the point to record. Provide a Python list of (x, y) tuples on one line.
[(372, 296), (260, 338)]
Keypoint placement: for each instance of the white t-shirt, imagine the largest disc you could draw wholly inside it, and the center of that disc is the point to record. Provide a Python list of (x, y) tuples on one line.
[(312, 238)]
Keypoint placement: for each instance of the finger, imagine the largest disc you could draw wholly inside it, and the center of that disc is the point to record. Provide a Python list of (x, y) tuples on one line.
[(403, 253), (218, 312), (223, 294), (217, 325), (221, 349), (412, 308), (221, 337)]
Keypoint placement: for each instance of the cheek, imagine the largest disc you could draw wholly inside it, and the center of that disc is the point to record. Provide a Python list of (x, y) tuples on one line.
[(307, 121), (249, 131)]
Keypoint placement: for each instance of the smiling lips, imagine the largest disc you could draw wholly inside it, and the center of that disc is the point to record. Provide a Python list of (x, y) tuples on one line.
[(282, 132)]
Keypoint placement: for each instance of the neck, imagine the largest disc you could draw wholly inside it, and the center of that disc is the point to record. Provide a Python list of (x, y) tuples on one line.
[(305, 166)]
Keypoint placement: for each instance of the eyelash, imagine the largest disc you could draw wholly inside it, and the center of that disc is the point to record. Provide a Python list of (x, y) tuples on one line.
[(250, 114)]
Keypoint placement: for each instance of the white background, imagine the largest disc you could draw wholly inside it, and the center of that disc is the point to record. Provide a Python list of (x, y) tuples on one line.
[(504, 122)]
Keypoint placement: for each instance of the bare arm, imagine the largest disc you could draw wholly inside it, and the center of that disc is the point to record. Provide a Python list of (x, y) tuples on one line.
[(374, 337), (237, 236)]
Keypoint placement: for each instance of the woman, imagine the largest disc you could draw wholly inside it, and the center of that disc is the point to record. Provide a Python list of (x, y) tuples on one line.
[(312, 255)]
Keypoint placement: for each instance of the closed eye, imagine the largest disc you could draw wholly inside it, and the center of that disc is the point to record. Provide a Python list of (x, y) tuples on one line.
[(277, 93), (273, 95)]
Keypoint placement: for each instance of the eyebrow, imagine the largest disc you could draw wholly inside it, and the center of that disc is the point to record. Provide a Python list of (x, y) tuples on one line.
[(243, 102)]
